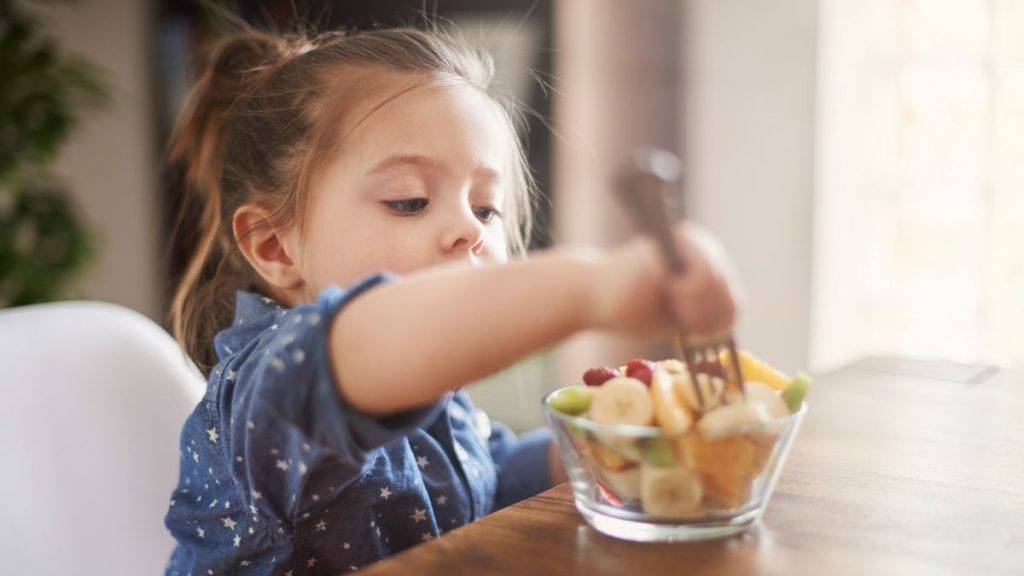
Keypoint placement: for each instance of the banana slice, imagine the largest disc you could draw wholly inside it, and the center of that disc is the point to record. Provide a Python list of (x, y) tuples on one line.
[(669, 492), (622, 400), (669, 411), (625, 484), (733, 419), (764, 394), (711, 391), (606, 457)]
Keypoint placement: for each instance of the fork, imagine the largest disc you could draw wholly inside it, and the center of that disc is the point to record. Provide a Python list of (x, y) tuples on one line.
[(642, 191)]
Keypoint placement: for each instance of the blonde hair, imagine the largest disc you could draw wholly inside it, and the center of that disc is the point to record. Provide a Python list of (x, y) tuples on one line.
[(259, 125)]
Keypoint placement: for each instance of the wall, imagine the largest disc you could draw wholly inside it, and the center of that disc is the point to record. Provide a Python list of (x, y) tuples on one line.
[(730, 85), (749, 97), (109, 161), (617, 86)]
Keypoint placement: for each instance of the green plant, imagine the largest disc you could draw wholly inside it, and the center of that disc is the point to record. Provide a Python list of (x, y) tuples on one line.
[(43, 241)]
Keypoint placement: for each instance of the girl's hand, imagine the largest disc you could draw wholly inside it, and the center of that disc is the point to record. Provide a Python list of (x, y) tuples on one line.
[(636, 293)]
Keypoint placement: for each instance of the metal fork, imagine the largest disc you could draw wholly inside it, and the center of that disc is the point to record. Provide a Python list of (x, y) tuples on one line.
[(642, 191)]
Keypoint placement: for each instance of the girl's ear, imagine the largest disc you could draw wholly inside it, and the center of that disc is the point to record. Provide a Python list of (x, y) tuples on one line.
[(270, 251)]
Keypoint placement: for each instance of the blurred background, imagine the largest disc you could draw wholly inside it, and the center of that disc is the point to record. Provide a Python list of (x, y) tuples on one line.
[(862, 161)]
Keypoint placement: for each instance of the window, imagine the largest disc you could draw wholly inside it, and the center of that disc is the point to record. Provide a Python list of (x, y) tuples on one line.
[(920, 193)]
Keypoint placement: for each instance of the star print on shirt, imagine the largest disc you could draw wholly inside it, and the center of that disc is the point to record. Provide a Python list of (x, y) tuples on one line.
[(283, 465), (311, 562), (201, 532), (301, 423)]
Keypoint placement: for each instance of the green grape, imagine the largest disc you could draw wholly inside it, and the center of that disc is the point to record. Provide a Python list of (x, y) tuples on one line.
[(573, 400), (796, 391), (657, 452)]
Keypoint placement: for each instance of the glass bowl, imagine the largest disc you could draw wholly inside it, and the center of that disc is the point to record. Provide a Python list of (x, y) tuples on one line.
[(638, 483)]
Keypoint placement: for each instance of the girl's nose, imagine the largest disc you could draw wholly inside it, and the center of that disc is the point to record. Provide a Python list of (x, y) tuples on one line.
[(464, 233)]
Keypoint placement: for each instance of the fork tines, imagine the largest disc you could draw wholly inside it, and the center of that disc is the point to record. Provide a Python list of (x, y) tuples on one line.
[(703, 356)]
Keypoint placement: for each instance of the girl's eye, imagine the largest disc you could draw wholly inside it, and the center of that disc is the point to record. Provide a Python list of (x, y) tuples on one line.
[(407, 206), (486, 213)]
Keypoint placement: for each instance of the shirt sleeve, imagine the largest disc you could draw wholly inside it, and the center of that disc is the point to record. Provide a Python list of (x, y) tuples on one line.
[(522, 463), (288, 416)]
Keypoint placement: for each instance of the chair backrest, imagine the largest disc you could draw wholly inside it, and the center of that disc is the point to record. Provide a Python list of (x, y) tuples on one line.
[(92, 400)]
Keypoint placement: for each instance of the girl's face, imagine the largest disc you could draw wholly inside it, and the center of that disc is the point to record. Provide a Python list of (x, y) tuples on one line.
[(421, 180)]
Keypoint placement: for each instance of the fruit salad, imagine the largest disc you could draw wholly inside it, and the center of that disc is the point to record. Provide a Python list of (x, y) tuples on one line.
[(674, 447)]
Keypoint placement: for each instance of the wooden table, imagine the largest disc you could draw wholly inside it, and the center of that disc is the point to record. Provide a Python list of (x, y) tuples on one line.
[(901, 468)]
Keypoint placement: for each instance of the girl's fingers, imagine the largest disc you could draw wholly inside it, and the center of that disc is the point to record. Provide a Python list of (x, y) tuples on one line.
[(702, 305), (704, 298)]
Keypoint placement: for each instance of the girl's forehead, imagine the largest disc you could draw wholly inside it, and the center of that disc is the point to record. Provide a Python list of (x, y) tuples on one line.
[(451, 123)]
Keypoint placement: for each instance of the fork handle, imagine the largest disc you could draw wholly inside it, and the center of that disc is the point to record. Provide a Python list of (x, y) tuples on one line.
[(643, 193)]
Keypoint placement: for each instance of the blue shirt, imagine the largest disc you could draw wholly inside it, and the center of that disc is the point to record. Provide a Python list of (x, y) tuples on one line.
[(280, 476)]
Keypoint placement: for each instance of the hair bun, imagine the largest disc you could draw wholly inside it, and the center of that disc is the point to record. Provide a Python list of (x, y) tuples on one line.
[(244, 55)]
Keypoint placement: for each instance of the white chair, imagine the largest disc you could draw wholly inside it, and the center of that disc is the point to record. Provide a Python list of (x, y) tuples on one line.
[(92, 399)]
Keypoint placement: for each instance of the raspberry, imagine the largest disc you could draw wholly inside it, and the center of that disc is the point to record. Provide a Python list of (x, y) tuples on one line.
[(598, 376)]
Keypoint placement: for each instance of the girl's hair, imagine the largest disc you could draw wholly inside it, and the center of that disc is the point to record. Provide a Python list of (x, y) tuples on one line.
[(260, 124)]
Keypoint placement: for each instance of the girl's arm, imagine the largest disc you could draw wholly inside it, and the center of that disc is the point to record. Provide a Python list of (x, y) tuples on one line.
[(404, 344)]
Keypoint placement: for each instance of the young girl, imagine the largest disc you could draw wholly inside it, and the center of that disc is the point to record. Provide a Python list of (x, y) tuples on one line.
[(360, 197)]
